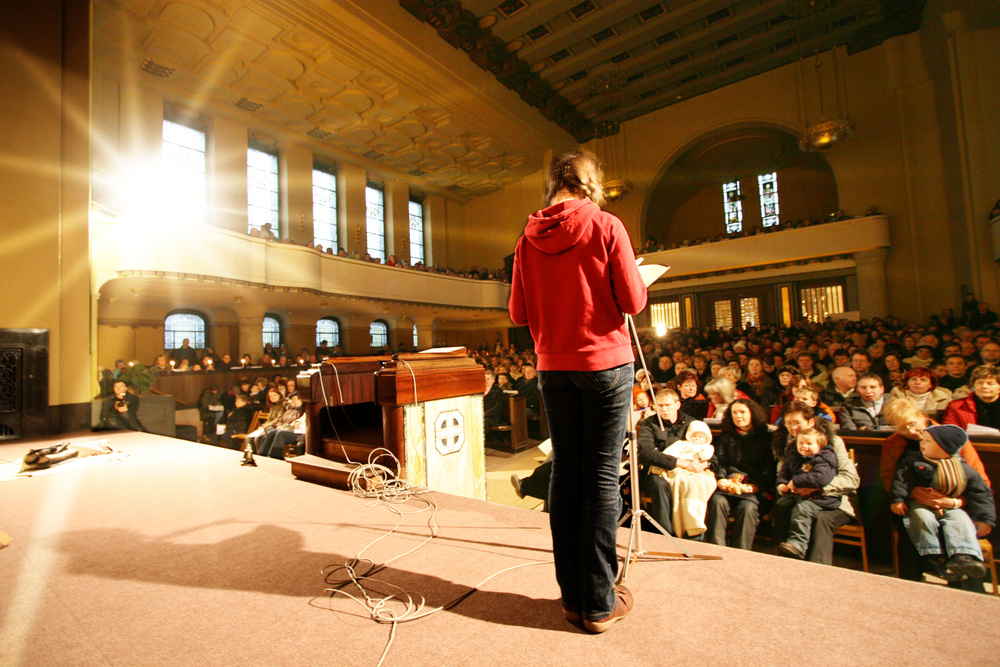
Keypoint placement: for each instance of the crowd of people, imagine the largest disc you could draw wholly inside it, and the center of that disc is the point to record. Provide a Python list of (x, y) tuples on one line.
[(778, 399)]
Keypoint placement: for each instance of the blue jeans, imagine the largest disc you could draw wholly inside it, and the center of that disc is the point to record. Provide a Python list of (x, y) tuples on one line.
[(955, 529), (803, 511), (588, 420)]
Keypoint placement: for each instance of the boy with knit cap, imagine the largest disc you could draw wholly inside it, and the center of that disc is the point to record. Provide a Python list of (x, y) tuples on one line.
[(946, 538)]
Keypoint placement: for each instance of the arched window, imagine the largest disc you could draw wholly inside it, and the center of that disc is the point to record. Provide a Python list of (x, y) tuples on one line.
[(328, 329), (380, 334), (272, 330), (416, 345), (181, 324)]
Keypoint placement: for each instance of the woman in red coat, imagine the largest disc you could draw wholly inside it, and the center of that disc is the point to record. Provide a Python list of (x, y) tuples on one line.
[(574, 275)]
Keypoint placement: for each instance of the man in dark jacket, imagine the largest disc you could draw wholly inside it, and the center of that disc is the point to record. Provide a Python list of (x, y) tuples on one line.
[(493, 398), (864, 411), (120, 410), (652, 440), (527, 386)]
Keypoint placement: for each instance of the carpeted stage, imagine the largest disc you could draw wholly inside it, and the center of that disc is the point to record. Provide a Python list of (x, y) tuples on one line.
[(177, 555)]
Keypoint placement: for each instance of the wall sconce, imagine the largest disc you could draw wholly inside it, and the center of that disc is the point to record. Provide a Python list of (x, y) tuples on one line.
[(357, 233), (403, 243)]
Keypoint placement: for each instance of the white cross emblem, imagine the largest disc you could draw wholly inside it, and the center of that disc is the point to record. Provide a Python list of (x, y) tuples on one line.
[(449, 432)]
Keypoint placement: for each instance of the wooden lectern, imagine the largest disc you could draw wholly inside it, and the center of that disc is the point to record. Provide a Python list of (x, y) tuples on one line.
[(426, 408)]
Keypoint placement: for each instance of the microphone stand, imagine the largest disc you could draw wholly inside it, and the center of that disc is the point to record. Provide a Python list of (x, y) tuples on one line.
[(635, 513)]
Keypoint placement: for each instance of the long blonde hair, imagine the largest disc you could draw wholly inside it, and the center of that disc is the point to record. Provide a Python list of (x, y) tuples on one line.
[(577, 172)]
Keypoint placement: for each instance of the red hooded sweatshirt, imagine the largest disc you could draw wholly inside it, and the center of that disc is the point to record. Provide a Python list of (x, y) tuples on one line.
[(574, 276)]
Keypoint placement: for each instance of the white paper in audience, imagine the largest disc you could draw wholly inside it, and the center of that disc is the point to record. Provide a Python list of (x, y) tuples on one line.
[(439, 350), (546, 446), (976, 429), (886, 427)]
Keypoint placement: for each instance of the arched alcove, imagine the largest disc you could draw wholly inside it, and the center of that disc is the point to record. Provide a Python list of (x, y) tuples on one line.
[(687, 201)]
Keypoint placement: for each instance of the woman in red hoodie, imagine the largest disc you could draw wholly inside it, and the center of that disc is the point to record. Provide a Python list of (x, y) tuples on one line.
[(574, 275)]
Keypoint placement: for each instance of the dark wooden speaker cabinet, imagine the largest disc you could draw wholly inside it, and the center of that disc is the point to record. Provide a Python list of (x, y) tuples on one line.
[(24, 383)]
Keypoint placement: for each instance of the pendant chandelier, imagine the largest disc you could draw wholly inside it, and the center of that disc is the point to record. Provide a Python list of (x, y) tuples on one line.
[(610, 138), (828, 130)]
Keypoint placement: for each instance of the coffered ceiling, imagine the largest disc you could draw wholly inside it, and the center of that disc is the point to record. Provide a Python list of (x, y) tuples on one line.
[(470, 100), (593, 64)]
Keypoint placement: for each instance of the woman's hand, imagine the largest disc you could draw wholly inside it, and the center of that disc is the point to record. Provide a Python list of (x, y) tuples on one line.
[(932, 498), (982, 529)]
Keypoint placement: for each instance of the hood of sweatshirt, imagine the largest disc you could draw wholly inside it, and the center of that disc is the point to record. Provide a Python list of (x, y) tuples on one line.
[(560, 226)]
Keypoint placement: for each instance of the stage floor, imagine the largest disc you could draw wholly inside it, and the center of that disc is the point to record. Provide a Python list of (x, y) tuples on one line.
[(177, 555)]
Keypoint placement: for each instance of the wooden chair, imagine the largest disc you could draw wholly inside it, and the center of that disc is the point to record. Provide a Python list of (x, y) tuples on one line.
[(259, 417), (984, 544), (853, 534), (512, 437)]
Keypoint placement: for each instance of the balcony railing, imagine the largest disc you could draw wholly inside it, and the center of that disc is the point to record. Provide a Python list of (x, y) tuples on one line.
[(140, 248), (781, 247)]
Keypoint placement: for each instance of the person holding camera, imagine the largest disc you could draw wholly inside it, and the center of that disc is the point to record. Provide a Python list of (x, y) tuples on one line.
[(120, 410)]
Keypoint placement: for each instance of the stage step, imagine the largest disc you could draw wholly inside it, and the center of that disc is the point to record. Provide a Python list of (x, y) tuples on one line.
[(321, 471)]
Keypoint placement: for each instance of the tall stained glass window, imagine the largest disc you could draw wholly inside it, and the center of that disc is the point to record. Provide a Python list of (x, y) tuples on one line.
[(416, 231), (184, 173), (325, 207), (375, 221), (262, 189), (733, 207), (768, 186)]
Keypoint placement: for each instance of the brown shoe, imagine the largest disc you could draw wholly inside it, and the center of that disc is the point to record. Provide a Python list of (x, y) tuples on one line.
[(790, 551), (622, 608), (574, 617)]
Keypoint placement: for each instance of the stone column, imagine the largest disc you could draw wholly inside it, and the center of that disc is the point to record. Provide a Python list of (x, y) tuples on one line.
[(251, 334), (425, 331), (873, 296)]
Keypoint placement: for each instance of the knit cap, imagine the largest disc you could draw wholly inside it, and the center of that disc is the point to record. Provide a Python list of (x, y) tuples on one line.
[(949, 437), (697, 426)]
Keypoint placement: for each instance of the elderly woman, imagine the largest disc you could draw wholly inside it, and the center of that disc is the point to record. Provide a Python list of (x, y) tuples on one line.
[(920, 385), (745, 473), (982, 406), (693, 402), (721, 392)]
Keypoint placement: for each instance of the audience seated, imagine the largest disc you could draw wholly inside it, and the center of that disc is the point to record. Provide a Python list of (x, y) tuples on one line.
[(920, 386), (981, 407), (797, 417), (863, 412), (745, 472), (653, 440)]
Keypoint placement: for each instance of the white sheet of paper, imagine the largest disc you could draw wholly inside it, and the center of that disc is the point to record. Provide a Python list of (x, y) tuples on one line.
[(651, 272)]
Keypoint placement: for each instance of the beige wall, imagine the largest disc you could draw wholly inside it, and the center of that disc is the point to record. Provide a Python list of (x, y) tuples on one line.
[(491, 225), (45, 176)]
